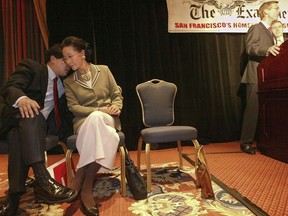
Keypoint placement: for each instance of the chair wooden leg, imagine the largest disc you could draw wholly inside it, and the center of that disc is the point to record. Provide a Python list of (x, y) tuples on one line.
[(46, 159), (197, 146), (123, 171), (70, 174), (148, 168), (140, 141), (196, 143), (63, 145), (179, 148)]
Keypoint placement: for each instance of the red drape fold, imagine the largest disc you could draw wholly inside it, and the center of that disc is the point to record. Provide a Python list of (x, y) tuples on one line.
[(40, 9), (25, 31)]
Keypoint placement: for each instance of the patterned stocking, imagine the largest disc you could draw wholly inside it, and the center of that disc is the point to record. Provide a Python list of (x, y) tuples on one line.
[(77, 181), (87, 187)]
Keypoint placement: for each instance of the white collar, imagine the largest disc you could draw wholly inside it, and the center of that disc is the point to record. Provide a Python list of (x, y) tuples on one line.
[(265, 24), (51, 73)]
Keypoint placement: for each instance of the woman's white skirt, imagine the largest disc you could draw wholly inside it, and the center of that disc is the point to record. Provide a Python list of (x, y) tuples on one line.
[(97, 141)]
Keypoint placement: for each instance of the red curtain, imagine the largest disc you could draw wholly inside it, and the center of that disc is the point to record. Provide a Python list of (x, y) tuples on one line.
[(40, 9), (23, 37)]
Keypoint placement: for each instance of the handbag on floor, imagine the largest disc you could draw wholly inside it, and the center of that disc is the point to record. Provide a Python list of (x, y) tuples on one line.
[(203, 177), (136, 183)]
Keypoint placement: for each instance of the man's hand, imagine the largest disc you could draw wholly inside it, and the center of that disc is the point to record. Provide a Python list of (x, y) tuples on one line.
[(28, 108), (273, 50)]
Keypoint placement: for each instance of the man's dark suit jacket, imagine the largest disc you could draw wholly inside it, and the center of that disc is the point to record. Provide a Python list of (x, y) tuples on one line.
[(256, 50), (30, 79)]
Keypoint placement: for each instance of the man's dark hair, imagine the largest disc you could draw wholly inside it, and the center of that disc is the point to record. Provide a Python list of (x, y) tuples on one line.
[(55, 51)]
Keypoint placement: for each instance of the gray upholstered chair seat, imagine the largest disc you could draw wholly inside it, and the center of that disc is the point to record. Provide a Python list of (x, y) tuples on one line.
[(51, 142), (168, 134), (71, 142)]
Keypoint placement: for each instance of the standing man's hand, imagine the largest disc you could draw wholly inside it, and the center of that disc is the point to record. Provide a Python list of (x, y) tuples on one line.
[(273, 50), (28, 108)]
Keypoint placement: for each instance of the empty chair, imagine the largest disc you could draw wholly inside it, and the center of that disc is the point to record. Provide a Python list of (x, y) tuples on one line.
[(157, 102)]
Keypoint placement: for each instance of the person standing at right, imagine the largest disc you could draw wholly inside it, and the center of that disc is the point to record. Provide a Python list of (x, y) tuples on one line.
[(259, 44)]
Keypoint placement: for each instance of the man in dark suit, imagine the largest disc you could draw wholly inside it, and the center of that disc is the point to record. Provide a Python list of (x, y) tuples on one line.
[(27, 116), (259, 44)]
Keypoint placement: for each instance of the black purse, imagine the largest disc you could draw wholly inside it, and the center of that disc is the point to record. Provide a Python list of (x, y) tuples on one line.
[(136, 183)]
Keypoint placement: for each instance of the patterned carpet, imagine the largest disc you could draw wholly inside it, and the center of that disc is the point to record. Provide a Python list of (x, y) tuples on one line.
[(173, 193), (250, 179)]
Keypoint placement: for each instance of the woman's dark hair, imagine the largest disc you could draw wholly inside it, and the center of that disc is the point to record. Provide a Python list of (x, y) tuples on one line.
[(79, 44), (55, 51)]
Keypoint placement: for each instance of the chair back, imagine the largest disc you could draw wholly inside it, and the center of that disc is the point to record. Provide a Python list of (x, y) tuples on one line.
[(157, 102)]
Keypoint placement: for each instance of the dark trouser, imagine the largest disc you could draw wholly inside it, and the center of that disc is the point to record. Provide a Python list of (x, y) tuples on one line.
[(26, 146), (250, 117)]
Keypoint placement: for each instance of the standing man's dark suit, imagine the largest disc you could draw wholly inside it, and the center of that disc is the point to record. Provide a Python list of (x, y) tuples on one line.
[(259, 44), (26, 135), (256, 55)]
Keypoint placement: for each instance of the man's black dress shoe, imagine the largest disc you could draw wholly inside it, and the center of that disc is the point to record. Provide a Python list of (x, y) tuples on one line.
[(29, 182), (94, 211), (247, 148), (53, 192), (8, 209)]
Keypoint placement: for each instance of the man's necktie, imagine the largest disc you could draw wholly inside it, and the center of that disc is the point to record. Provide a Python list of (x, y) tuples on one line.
[(56, 104)]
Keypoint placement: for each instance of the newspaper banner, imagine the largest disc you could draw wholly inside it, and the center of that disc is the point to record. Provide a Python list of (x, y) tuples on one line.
[(218, 16)]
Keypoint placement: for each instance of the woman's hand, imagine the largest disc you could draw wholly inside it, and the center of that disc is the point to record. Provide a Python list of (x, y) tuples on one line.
[(112, 110)]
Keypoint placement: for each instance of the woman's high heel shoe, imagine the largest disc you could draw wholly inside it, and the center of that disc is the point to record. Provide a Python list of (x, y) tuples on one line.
[(93, 211)]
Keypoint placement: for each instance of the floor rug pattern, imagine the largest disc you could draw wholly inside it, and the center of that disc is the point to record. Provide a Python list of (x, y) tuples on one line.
[(173, 193)]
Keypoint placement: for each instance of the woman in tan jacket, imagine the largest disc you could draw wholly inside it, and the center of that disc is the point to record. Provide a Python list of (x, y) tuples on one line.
[(95, 99)]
